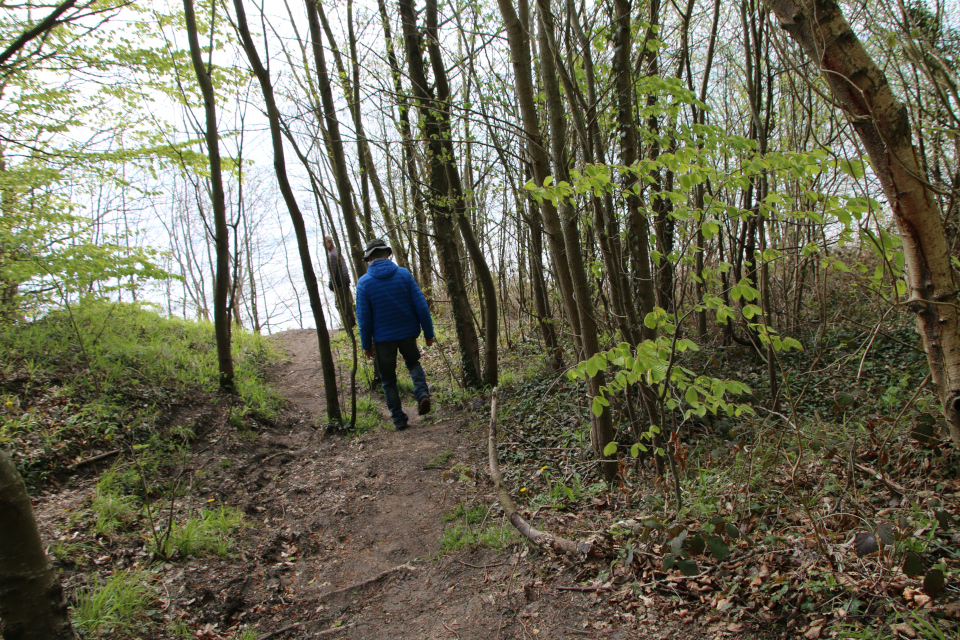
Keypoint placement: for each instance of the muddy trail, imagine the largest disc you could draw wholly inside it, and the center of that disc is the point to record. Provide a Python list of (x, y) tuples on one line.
[(344, 536)]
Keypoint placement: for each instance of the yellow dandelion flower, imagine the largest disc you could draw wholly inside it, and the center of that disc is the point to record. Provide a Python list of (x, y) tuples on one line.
[(212, 500), (523, 489)]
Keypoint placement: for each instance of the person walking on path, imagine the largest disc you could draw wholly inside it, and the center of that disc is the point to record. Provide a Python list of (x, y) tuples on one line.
[(340, 283), (391, 312)]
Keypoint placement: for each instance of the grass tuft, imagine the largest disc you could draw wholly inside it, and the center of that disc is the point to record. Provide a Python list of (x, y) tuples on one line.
[(211, 533), (116, 606)]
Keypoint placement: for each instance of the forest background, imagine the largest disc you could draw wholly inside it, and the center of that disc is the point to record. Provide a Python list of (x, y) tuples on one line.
[(721, 224)]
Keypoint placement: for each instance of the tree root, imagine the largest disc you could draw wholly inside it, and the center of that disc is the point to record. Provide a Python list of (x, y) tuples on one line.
[(540, 538), (369, 581)]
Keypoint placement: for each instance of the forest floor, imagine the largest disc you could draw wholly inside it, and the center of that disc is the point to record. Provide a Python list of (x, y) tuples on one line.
[(343, 537)]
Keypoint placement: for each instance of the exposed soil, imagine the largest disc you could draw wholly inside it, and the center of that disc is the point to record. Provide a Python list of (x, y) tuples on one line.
[(344, 537)]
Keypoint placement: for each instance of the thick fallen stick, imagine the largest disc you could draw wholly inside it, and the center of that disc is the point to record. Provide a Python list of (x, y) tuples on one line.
[(539, 538)]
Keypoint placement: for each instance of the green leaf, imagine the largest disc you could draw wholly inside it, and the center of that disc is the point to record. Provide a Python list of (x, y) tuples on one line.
[(610, 449), (597, 407), (688, 567), (718, 548), (912, 564), (934, 582), (751, 310), (669, 561)]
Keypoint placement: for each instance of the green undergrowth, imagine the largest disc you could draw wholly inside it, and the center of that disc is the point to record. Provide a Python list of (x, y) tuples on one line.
[(115, 606), (100, 376), (834, 515), (471, 527), (210, 533)]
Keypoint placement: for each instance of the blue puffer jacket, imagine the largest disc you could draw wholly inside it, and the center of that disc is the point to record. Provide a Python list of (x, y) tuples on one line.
[(390, 305)]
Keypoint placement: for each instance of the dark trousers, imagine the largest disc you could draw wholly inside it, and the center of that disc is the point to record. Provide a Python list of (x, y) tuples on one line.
[(386, 361)]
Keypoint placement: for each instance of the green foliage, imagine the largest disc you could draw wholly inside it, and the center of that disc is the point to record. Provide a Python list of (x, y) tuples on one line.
[(474, 514), (116, 606), (249, 633), (368, 415), (461, 535), (112, 508), (654, 363), (440, 459), (210, 533), (101, 374)]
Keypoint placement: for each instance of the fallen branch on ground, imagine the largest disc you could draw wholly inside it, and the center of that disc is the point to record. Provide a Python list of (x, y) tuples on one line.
[(279, 632), (333, 630), (539, 538), (94, 459)]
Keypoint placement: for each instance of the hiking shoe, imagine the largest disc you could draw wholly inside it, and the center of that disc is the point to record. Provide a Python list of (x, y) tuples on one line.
[(401, 427), (424, 407)]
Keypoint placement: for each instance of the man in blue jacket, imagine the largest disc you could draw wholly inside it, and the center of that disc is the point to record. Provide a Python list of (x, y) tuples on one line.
[(391, 311)]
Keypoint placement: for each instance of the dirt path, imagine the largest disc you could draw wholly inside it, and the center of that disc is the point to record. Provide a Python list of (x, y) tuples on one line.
[(343, 536), (360, 522)]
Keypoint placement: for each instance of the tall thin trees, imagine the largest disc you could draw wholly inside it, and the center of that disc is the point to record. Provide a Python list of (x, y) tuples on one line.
[(303, 242), (221, 316)]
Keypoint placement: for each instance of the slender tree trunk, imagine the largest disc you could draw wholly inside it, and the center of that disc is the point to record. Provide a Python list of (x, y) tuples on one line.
[(337, 158), (456, 192), (416, 195), (303, 242), (364, 155), (32, 606), (446, 193), (638, 230), (601, 432), (518, 37), (221, 318), (881, 122)]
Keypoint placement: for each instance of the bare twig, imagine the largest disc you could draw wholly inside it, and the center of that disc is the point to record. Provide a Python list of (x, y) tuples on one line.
[(94, 459), (890, 484), (333, 630), (482, 566)]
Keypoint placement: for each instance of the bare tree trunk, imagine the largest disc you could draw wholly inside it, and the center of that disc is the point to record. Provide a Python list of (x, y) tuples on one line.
[(32, 606), (446, 193), (455, 190), (601, 432), (518, 36), (221, 318), (303, 242), (638, 229), (337, 158), (416, 195), (367, 166), (881, 122)]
